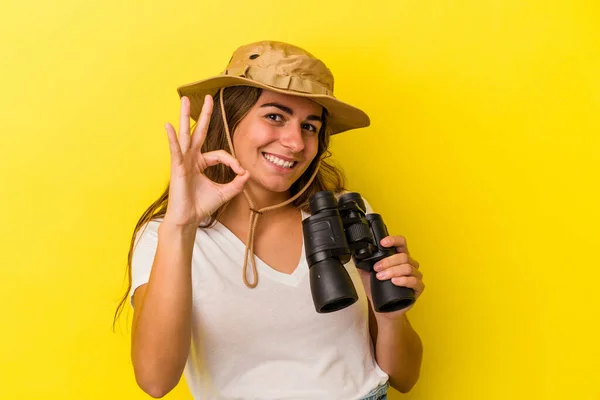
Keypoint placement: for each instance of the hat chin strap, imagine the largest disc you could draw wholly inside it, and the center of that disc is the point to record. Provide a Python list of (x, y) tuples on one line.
[(254, 213)]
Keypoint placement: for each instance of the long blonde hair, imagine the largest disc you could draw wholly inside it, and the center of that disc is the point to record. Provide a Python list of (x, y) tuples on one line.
[(238, 100)]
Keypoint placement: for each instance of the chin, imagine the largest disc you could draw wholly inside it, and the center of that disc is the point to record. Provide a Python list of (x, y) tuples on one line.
[(273, 184), (277, 187)]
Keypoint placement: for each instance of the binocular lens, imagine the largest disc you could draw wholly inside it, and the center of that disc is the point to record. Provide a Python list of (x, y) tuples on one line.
[(388, 297), (331, 286)]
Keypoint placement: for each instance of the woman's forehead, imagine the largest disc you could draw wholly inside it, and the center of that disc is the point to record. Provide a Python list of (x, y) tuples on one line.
[(298, 104)]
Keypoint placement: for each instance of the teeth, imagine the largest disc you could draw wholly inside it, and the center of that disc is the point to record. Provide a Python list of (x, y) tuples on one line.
[(278, 161)]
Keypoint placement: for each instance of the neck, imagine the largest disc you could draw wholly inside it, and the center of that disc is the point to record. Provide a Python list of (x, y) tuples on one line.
[(239, 207)]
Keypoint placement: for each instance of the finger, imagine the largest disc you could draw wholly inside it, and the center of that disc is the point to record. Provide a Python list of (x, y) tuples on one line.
[(413, 262), (396, 259), (411, 282), (398, 271), (203, 120), (407, 281), (222, 157), (235, 187), (184, 124), (398, 241), (176, 155)]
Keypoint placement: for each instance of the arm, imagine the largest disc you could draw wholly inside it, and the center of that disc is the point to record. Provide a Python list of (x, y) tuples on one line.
[(398, 350), (161, 332)]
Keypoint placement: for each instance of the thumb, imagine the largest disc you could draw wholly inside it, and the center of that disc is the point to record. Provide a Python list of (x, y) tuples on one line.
[(235, 187)]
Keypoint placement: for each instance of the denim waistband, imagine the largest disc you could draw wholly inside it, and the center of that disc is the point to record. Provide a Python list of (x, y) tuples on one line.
[(379, 393)]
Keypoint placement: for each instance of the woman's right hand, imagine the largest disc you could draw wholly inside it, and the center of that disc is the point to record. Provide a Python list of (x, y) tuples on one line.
[(192, 196)]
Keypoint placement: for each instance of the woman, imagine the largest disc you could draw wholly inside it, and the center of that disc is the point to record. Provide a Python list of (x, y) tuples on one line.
[(257, 155)]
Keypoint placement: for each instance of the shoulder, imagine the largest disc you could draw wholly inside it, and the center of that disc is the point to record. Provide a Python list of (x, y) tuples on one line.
[(148, 230)]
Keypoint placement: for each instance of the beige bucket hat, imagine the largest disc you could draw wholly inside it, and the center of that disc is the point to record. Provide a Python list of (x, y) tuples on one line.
[(282, 68)]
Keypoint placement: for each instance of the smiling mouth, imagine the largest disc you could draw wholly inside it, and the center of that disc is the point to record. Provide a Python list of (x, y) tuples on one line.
[(279, 162)]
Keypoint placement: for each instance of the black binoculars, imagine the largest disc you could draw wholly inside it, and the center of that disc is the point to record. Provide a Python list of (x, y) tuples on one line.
[(336, 231)]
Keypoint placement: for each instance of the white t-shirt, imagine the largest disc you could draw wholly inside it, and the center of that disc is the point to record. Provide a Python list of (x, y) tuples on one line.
[(267, 342)]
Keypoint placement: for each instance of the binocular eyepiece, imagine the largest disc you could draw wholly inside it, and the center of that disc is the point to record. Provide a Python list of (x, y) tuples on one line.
[(339, 230)]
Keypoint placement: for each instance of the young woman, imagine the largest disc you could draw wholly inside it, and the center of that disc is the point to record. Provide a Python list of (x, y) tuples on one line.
[(238, 193)]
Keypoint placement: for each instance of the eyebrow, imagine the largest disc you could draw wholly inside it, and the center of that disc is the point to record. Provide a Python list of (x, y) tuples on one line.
[(289, 111)]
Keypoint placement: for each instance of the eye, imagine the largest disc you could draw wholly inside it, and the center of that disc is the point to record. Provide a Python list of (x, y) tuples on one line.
[(274, 117), (310, 127)]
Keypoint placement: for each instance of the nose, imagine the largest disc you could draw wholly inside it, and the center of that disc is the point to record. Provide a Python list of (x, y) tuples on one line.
[(291, 137)]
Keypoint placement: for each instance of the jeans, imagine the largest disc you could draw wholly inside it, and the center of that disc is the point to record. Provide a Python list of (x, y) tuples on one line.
[(379, 393)]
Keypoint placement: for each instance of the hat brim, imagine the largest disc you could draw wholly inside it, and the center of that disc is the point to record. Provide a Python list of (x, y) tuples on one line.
[(341, 116)]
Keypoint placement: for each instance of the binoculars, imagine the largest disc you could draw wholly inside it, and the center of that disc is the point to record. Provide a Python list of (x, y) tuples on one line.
[(336, 231)]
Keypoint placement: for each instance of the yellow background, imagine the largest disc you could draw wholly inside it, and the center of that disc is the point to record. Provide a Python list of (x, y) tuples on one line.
[(483, 152)]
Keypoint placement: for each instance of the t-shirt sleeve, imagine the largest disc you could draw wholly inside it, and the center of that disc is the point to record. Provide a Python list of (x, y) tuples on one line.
[(367, 206), (143, 255)]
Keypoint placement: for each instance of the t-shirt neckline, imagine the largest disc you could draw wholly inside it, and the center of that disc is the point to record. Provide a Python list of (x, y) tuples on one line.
[(262, 267)]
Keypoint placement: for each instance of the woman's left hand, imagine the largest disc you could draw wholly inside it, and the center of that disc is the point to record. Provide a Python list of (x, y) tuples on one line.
[(401, 268)]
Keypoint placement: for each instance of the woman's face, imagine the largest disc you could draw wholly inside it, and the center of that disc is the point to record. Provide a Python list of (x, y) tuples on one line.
[(278, 138)]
